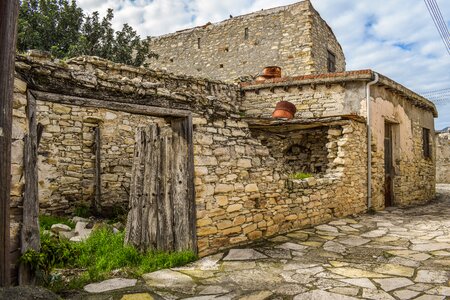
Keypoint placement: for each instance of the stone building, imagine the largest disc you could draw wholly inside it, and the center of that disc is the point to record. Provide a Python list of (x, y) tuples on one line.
[(84, 118), (443, 156), (293, 37)]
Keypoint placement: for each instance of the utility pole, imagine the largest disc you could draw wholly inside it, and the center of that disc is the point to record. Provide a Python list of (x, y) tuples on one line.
[(8, 31)]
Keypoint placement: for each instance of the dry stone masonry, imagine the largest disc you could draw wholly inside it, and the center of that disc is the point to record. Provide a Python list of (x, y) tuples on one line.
[(443, 156), (293, 37), (243, 162)]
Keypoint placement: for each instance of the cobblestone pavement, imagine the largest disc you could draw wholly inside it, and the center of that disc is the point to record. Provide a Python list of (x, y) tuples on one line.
[(393, 254)]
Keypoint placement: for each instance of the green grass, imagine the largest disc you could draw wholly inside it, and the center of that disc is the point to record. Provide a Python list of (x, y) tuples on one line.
[(301, 175), (46, 222), (105, 251), (98, 256)]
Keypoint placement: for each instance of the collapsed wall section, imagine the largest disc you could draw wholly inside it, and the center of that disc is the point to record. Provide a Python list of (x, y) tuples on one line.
[(245, 191)]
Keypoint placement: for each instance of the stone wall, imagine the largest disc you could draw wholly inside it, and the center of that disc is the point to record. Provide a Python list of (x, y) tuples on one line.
[(67, 156), (19, 130), (311, 101), (244, 190), (414, 174), (243, 184), (326, 96), (443, 157), (324, 41), (292, 37), (300, 151)]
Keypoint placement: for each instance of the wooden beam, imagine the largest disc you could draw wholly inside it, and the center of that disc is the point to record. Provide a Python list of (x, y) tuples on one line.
[(118, 106), (96, 205), (189, 135), (8, 30), (29, 236)]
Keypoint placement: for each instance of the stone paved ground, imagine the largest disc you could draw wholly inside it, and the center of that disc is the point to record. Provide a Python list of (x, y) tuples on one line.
[(394, 254)]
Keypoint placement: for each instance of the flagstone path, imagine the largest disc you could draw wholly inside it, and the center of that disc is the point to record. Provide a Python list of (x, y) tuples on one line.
[(393, 254)]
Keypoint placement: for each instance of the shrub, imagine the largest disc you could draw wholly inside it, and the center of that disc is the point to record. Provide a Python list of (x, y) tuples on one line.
[(103, 252), (54, 253)]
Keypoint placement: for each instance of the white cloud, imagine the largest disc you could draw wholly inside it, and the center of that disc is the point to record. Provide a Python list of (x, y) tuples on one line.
[(396, 38)]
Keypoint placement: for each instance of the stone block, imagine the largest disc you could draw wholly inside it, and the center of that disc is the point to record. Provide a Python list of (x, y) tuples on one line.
[(208, 230), (250, 188), (223, 188), (234, 207)]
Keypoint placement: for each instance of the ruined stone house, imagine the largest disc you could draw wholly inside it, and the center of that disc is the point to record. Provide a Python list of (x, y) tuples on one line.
[(443, 156), (82, 125)]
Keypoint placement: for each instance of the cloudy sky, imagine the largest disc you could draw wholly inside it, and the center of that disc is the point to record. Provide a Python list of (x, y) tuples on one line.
[(396, 38)]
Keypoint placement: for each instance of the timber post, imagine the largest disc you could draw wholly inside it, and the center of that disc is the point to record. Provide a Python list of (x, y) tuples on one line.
[(8, 29)]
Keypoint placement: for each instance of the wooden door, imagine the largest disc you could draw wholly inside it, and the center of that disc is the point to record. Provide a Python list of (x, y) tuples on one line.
[(388, 167), (162, 200)]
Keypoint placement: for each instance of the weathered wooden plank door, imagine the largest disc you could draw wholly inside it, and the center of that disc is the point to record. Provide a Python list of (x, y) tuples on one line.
[(388, 167), (162, 204)]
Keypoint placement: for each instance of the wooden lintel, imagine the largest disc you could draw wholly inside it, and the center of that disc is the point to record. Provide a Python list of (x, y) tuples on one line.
[(298, 126), (118, 106)]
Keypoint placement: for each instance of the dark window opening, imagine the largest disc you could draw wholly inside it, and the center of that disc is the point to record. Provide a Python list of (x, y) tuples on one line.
[(331, 62), (226, 49), (426, 143), (221, 66), (171, 60), (246, 33), (198, 43)]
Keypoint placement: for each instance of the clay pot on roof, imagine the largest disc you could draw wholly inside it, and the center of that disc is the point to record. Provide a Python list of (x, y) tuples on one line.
[(270, 72), (284, 110)]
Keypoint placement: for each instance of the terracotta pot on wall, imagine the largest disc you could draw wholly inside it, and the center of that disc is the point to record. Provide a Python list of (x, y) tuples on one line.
[(272, 72), (284, 109)]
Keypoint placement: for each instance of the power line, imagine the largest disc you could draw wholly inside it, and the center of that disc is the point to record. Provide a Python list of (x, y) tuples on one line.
[(438, 97), (441, 22), (441, 26), (436, 92)]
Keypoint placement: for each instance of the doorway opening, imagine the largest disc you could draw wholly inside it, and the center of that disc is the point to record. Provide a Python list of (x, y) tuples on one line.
[(388, 165)]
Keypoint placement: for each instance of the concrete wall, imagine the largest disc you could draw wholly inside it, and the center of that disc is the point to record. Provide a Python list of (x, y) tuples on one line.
[(292, 37), (443, 157)]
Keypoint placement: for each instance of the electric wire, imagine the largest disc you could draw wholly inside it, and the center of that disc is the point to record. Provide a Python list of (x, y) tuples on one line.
[(440, 20), (441, 26), (436, 15)]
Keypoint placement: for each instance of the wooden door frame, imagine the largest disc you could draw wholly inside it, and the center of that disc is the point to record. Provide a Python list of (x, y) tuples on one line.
[(8, 31), (138, 109)]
